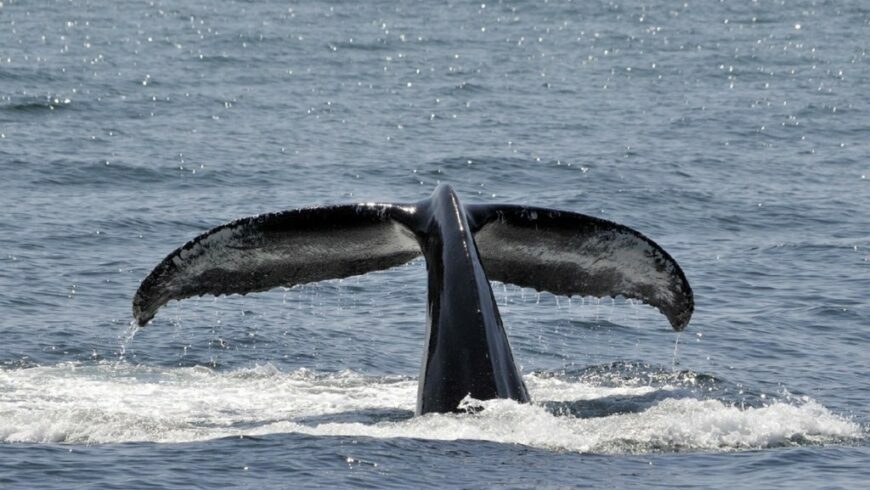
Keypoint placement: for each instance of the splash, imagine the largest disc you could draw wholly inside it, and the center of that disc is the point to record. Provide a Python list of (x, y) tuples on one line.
[(117, 402)]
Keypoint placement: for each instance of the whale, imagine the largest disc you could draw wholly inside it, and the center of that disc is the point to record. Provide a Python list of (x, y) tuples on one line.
[(467, 352)]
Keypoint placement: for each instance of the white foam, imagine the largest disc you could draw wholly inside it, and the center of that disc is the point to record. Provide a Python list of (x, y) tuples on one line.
[(117, 402)]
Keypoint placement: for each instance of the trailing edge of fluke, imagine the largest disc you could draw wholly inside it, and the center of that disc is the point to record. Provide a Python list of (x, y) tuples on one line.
[(467, 350)]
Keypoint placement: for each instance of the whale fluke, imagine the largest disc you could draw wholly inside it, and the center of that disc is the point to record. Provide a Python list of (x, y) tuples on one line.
[(280, 249), (467, 351), (573, 254)]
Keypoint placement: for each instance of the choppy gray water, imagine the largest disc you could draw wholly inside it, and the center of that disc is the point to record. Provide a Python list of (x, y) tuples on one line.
[(735, 134)]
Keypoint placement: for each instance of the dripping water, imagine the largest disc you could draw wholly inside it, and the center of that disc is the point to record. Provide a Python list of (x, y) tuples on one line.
[(676, 361), (127, 338)]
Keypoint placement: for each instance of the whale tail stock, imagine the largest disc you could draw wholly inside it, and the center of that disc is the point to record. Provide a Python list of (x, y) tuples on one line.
[(467, 351)]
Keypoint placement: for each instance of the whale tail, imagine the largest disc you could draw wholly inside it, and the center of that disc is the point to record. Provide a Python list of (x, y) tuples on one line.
[(548, 250), (467, 350)]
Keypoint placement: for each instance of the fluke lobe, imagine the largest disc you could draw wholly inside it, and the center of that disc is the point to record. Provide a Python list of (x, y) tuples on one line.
[(467, 350)]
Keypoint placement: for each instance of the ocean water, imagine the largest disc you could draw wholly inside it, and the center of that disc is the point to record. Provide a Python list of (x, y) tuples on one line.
[(735, 134)]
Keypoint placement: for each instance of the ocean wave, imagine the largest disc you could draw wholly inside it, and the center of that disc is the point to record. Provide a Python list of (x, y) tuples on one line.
[(36, 103), (118, 402)]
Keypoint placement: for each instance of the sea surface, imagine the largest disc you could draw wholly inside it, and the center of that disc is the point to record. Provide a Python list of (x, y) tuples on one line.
[(736, 134)]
